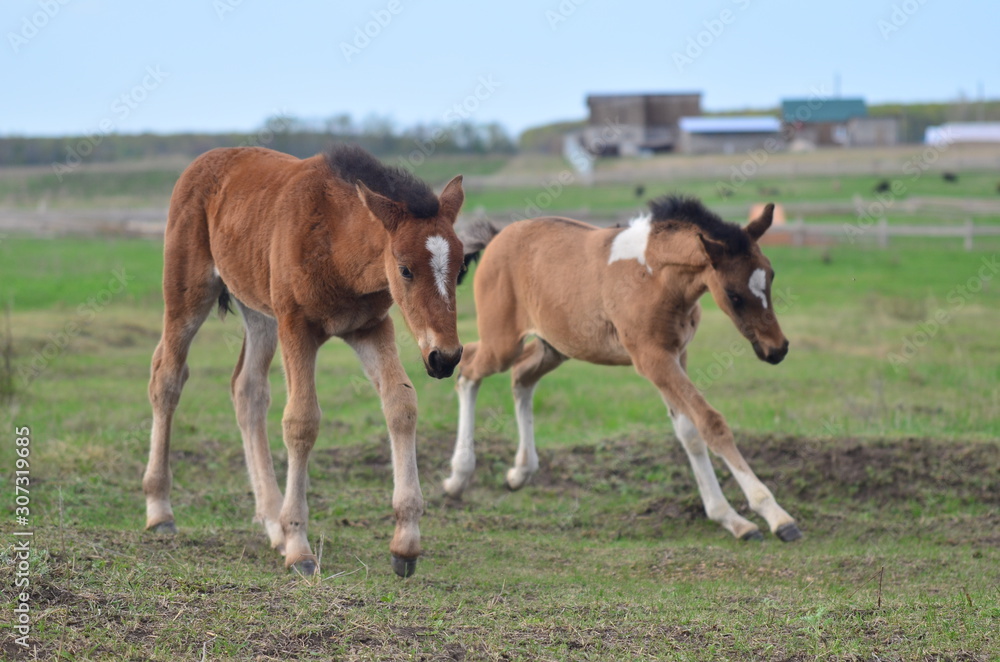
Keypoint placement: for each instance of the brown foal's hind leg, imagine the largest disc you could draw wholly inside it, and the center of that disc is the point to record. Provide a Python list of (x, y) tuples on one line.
[(300, 424), (538, 359), (189, 298), (376, 348), (251, 391)]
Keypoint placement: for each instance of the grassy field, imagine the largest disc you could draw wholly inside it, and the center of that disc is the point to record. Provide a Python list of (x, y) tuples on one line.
[(149, 183), (879, 433), (546, 184)]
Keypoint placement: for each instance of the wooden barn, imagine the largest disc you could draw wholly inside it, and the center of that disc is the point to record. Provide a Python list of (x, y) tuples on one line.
[(627, 124)]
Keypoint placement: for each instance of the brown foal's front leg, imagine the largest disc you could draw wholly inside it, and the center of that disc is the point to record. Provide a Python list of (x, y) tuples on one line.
[(377, 350), (300, 425), (665, 371)]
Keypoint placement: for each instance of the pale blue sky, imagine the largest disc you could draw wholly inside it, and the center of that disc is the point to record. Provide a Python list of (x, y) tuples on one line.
[(211, 65)]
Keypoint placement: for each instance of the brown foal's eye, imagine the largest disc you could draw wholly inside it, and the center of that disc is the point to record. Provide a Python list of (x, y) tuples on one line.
[(735, 299), (405, 273)]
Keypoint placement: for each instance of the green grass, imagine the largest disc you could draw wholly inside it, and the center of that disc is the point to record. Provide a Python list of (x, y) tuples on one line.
[(552, 195), (845, 311), (891, 473)]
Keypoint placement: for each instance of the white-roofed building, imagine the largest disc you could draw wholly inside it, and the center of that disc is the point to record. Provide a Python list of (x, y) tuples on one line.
[(963, 132), (729, 135)]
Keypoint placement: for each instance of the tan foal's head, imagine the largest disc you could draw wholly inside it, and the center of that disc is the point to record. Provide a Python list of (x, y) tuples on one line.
[(423, 259), (740, 282)]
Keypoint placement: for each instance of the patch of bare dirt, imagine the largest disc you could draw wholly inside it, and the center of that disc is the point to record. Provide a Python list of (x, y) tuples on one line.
[(881, 471)]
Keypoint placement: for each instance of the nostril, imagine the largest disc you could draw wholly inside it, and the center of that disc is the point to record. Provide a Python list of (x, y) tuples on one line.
[(434, 359)]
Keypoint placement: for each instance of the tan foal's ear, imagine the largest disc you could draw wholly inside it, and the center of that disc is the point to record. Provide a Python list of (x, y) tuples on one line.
[(757, 227), (451, 198), (715, 250), (384, 209)]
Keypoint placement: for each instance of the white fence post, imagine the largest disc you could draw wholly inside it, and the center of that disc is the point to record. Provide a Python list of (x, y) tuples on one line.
[(883, 232)]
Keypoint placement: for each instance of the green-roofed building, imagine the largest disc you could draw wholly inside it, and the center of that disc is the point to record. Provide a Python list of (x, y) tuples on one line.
[(817, 111), (843, 122)]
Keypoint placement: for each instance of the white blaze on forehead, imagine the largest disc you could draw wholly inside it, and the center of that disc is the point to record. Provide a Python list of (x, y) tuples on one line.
[(630, 244), (438, 246), (758, 285)]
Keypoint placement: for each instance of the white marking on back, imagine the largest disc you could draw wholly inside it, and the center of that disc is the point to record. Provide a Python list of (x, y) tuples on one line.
[(438, 246), (758, 285), (630, 244)]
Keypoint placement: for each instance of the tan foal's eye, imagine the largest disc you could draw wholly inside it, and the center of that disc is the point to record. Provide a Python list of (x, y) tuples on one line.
[(405, 272)]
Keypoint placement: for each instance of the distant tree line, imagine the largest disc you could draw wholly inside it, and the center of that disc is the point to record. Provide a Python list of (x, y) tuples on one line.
[(916, 117), (283, 133)]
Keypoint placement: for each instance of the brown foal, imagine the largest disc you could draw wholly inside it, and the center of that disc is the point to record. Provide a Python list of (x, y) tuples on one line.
[(309, 249), (622, 297)]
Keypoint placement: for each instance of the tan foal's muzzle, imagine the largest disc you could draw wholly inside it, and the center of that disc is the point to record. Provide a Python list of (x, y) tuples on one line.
[(773, 355)]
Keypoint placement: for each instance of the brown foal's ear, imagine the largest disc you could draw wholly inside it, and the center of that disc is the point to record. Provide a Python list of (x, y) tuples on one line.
[(451, 198), (715, 250), (384, 209), (757, 227)]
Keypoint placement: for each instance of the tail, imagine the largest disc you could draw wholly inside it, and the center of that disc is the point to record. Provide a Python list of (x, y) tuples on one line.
[(475, 238), (225, 302)]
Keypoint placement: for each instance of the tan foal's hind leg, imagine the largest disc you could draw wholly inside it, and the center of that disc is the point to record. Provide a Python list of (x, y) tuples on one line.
[(479, 361), (187, 307), (376, 348), (538, 359), (251, 392), (463, 459), (300, 427)]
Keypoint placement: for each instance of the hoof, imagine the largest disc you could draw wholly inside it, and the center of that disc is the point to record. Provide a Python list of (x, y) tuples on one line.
[(515, 480), (166, 528), (788, 532), (453, 489), (404, 567), (305, 567), (755, 536)]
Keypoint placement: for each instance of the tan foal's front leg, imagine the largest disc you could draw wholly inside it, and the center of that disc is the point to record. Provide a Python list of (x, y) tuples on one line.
[(377, 350), (681, 395), (300, 424)]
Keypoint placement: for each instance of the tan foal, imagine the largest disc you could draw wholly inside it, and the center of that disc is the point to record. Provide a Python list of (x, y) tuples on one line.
[(622, 296)]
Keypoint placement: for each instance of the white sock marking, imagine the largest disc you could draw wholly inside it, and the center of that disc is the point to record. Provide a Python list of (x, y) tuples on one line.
[(630, 244), (438, 246), (758, 284)]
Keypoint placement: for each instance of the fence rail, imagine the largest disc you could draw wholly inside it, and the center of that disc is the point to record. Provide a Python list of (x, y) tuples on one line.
[(800, 233), (152, 222)]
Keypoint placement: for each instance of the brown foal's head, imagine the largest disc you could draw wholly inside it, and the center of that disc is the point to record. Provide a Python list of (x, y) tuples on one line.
[(423, 260), (740, 282)]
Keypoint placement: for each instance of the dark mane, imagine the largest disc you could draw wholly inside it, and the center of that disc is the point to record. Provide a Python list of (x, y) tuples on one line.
[(672, 212), (351, 163)]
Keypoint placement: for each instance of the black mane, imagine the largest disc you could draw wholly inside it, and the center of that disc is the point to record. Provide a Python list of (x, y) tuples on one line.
[(670, 212), (351, 163)]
